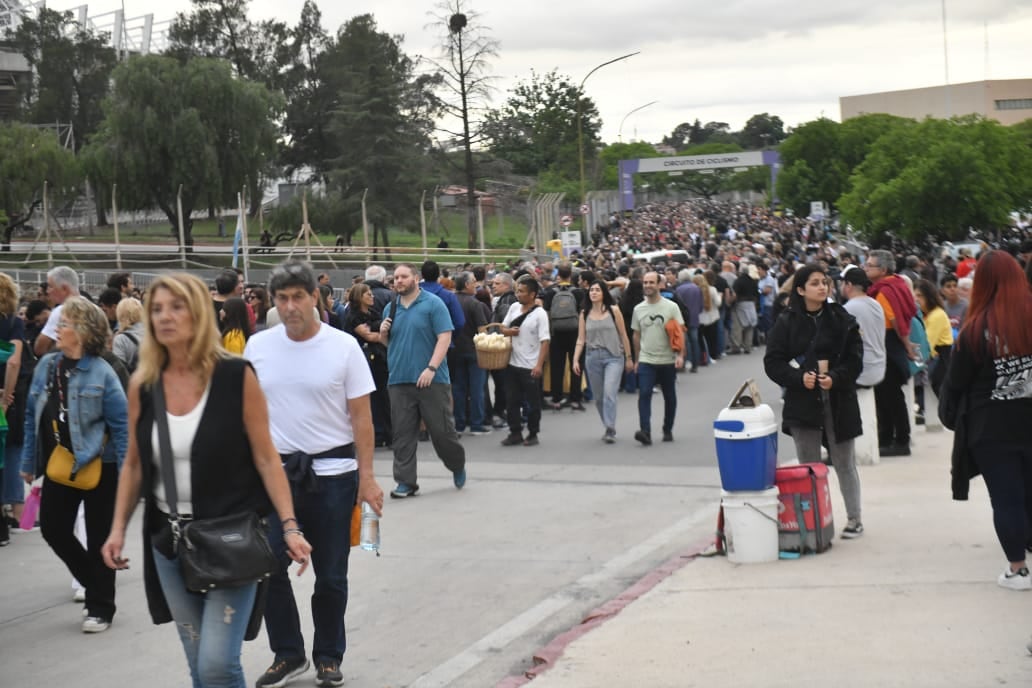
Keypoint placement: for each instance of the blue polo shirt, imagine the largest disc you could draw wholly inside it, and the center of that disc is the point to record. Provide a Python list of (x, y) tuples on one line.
[(413, 337)]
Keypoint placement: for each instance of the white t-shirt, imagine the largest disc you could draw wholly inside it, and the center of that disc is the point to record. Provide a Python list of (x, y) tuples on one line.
[(308, 385), (50, 329), (526, 346), (871, 318)]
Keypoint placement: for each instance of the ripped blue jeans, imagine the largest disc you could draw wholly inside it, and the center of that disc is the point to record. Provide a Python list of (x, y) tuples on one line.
[(211, 626)]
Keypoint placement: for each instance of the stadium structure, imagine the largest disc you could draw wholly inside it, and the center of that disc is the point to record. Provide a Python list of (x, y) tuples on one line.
[(128, 35)]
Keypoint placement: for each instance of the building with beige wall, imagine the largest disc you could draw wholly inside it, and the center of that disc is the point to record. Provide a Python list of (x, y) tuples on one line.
[(1008, 101)]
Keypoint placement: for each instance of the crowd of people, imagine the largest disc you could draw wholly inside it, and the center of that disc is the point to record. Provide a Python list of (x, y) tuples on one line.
[(395, 362)]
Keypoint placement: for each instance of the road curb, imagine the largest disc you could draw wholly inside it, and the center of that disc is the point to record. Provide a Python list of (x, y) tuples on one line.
[(546, 657)]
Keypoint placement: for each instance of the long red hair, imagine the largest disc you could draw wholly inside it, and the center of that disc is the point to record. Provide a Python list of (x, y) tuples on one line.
[(1001, 306)]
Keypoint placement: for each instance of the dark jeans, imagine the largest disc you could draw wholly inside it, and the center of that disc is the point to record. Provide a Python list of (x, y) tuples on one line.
[(648, 376), (560, 350), (59, 505), (325, 518), (891, 409), (691, 340), (498, 377), (1007, 471), (468, 381), (380, 402), (520, 389)]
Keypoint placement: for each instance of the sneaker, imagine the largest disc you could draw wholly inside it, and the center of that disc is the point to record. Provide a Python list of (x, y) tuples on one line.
[(531, 441), (95, 624), (282, 672), (424, 435), (404, 490), (459, 478), (460, 429), (5, 532), (79, 595), (512, 440), (668, 436), (895, 450), (643, 437), (329, 675), (499, 423), (19, 529), (853, 529), (1015, 580), (480, 431), (610, 436)]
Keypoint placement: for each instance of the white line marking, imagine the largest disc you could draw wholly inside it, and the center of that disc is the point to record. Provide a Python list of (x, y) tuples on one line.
[(450, 670)]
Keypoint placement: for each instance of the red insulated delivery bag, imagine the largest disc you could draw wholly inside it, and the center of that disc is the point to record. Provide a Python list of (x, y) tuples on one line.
[(805, 522)]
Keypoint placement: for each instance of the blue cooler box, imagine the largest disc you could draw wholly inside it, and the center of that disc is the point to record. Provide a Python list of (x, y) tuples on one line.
[(747, 448)]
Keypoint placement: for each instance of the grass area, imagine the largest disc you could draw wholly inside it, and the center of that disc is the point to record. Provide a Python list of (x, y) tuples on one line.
[(510, 232)]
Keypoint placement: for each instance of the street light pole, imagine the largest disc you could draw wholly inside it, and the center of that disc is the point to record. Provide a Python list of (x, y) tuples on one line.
[(580, 127), (619, 135)]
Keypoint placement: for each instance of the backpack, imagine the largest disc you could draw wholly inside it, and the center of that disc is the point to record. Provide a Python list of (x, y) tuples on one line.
[(131, 364), (563, 312)]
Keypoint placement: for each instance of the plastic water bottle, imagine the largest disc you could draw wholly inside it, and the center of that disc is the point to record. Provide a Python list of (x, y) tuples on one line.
[(31, 508), (370, 538)]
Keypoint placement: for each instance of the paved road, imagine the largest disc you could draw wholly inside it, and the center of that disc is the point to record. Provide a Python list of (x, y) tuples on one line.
[(469, 584)]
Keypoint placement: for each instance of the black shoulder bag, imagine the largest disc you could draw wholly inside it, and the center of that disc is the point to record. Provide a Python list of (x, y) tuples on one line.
[(224, 552)]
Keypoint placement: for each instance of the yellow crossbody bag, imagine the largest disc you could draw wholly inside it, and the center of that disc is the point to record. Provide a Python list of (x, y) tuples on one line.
[(61, 468)]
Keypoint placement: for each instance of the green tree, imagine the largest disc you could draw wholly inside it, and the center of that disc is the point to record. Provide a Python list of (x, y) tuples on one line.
[(940, 178), (812, 166), (536, 129), (762, 131), (71, 67), (193, 124), (611, 155), (30, 157), (679, 136), (308, 104), (378, 133)]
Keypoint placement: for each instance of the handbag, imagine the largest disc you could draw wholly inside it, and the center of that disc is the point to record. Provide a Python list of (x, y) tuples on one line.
[(61, 469), (222, 552)]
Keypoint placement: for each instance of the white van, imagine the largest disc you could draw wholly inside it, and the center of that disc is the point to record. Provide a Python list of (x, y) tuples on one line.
[(668, 257)]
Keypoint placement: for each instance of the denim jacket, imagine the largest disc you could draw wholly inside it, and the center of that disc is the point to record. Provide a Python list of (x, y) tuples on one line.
[(96, 406)]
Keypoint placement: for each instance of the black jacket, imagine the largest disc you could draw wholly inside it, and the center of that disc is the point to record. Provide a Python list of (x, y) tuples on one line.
[(834, 336), (223, 477)]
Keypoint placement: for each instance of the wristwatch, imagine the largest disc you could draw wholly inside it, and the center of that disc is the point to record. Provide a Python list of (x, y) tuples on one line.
[(431, 368)]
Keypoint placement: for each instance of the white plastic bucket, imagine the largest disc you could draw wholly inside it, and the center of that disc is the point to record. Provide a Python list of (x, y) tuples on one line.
[(751, 525)]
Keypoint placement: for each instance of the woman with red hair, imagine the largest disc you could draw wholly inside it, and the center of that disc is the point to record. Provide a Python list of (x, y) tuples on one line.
[(990, 381)]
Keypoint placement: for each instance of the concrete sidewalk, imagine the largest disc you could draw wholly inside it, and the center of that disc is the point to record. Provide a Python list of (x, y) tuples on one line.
[(914, 602)]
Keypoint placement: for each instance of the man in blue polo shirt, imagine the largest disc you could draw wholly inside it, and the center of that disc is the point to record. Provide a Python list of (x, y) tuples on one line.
[(417, 331)]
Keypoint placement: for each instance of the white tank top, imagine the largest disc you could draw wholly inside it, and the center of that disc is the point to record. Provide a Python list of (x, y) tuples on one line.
[(181, 432)]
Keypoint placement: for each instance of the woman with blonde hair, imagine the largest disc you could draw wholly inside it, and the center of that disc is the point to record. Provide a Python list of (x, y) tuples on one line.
[(12, 341), (224, 462), (709, 316), (126, 344), (76, 406)]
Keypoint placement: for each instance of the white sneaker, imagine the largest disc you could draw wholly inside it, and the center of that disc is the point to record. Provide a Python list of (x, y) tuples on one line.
[(1015, 580), (95, 624), (79, 595)]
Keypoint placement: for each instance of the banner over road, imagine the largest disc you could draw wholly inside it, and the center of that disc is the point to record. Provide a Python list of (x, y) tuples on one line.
[(713, 161)]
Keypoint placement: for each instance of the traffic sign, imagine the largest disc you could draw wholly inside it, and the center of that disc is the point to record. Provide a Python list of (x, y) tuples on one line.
[(584, 209), (566, 220)]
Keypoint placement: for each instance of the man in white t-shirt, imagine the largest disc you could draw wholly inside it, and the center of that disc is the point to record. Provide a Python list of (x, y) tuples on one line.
[(870, 316), (317, 384), (527, 324), (62, 284)]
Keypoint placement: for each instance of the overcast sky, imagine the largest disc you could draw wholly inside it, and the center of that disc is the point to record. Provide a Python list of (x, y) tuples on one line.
[(721, 60)]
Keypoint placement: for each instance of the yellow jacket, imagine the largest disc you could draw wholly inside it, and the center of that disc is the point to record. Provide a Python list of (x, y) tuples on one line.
[(937, 327)]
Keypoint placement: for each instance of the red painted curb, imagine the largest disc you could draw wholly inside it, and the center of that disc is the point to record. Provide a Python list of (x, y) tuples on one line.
[(545, 658)]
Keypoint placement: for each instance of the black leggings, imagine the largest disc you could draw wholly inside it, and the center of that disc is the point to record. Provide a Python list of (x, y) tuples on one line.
[(58, 508), (1007, 471)]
